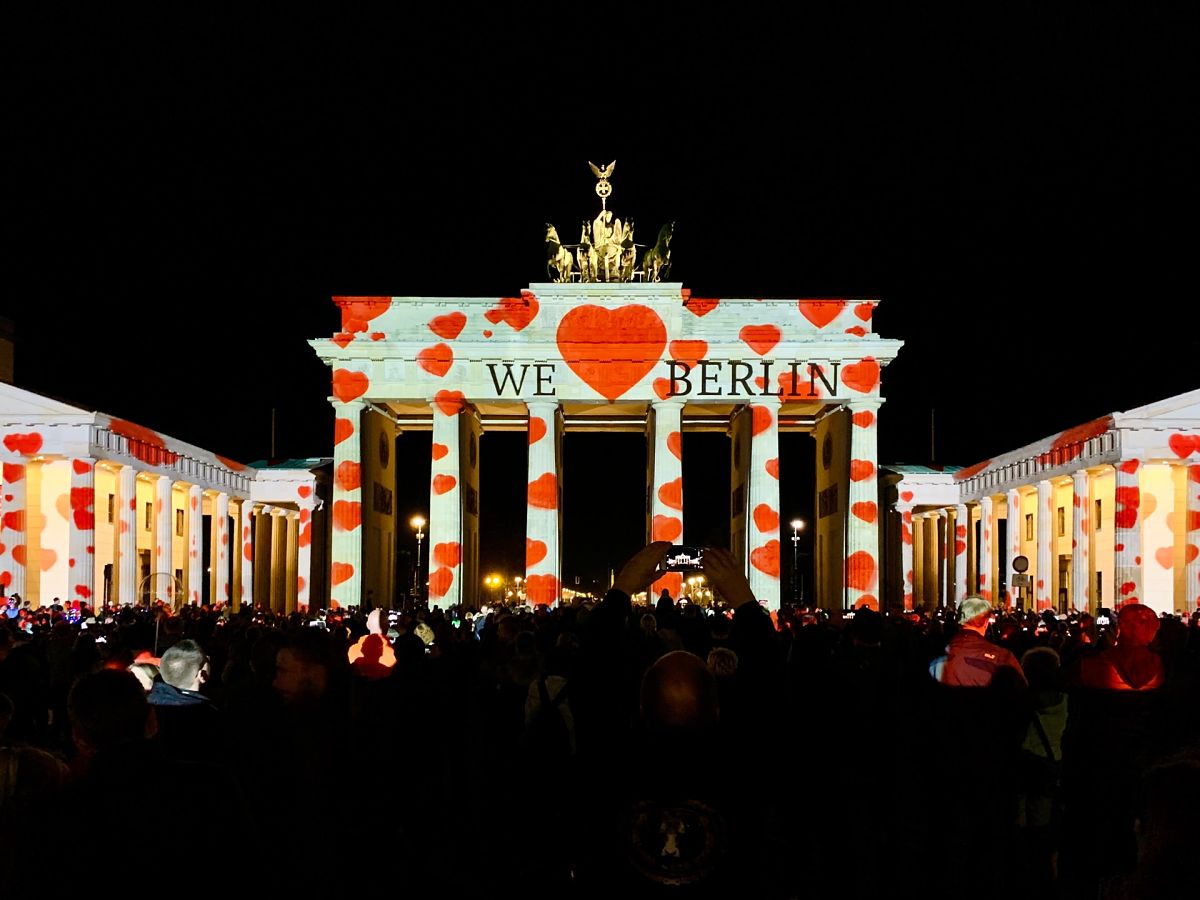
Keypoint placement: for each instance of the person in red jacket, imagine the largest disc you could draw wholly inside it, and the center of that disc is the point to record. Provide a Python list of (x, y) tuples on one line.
[(1131, 665), (971, 659)]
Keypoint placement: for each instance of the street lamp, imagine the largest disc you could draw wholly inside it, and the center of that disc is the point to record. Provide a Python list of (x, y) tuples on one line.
[(797, 583), (418, 524)]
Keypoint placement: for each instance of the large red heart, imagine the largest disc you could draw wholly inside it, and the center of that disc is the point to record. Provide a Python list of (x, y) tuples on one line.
[(760, 420), (305, 490), (861, 469), (25, 444), (865, 510), (447, 554), (347, 515), (671, 493), (342, 429), (13, 520), (448, 327), (436, 360), (449, 402), (537, 429), (340, 572), (821, 312), (543, 492), (689, 352), (515, 312), (862, 376), (439, 450), (860, 571), (864, 419), (760, 338), (358, 311), (765, 518), (772, 467), (443, 483), (349, 385), (611, 350), (766, 558), (675, 445), (541, 590), (535, 552), (864, 311), (349, 475), (440, 581), (665, 528), (12, 472), (81, 467), (1183, 445), (700, 307), (1130, 466)]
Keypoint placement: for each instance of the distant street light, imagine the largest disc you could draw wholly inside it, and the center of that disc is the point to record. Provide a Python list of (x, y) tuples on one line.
[(797, 579), (418, 524)]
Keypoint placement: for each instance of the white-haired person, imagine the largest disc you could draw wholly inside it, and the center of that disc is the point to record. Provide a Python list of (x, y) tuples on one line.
[(971, 659)]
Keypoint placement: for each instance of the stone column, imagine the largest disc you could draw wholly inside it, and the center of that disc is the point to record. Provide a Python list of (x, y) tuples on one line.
[(962, 524), (762, 498), (666, 490), (245, 592), (195, 528), (918, 550), (1016, 526), (262, 557), (946, 563), (987, 589), (1127, 534), (304, 551), (862, 522), (906, 553), (279, 534), (82, 534), (542, 584), (1045, 538), (13, 535), (1081, 570), (291, 582), (127, 557), (345, 569), (218, 551), (445, 506), (1191, 592), (162, 575)]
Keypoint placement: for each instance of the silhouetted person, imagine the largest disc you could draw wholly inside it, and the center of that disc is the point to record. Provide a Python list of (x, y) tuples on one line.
[(971, 659)]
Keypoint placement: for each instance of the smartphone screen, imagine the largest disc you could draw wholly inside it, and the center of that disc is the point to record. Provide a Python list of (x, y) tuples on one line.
[(682, 559)]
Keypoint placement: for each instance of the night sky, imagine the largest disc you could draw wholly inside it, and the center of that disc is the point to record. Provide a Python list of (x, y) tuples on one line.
[(182, 205)]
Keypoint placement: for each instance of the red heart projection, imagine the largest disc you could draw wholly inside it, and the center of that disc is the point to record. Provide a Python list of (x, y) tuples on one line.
[(304, 490), (860, 571), (760, 338), (864, 419), (541, 590), (821, 312), (766, 558), (448, 327), (772, 467), (248, 548), (25, 444), (347, 515), (358, 311), (797, 387), (300, 582), (864, 311), (436, 360), (760, 419), (349, 385), (451, 403), (537, 429), (862, 376), (18, 554), (861, 469), (349, 475), (1129, 467), (1183, 445), (82, 500), (1128, 587), (81, 467), (535, 552), (690, 352), (866, 601), (765, 518), (662, 387), (305, 515), (487, 333), (12, 472), (439, 450), (700, 307), (342, 429), (597, 343), (543, 492), (377, 335), (448, 554), (665, 528), (440, 581), (857, 331), (960, 531), (1128, 499), (865, 510), (340, 573), (515, 312), (443, 483), (1165, 557), (906, 496), (675, 445), (671, 582), (342, 338), (671, 493), (1194, 473), (304, 538)]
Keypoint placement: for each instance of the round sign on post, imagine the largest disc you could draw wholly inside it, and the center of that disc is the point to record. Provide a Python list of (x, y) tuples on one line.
[(1020, 564)]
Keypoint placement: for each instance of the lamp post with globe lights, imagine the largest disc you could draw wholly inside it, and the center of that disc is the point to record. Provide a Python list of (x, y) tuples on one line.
[(797, 579), (418, 524)]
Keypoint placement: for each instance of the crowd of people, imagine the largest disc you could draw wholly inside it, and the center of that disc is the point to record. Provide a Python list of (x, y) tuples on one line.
[(665, 750)]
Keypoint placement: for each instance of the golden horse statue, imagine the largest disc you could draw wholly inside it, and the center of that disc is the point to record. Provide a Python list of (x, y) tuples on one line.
[(558, 258)]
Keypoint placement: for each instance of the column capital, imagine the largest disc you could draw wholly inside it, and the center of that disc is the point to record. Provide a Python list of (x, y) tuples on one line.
[(772, 400), (542, 404), (866, 403), (669, 403), (338, 403)]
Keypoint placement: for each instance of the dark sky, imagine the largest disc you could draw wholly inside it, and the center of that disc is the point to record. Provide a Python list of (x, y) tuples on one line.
[(184, 198)]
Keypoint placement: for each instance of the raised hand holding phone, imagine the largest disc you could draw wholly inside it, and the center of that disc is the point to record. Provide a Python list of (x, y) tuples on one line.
[(641, 569)]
